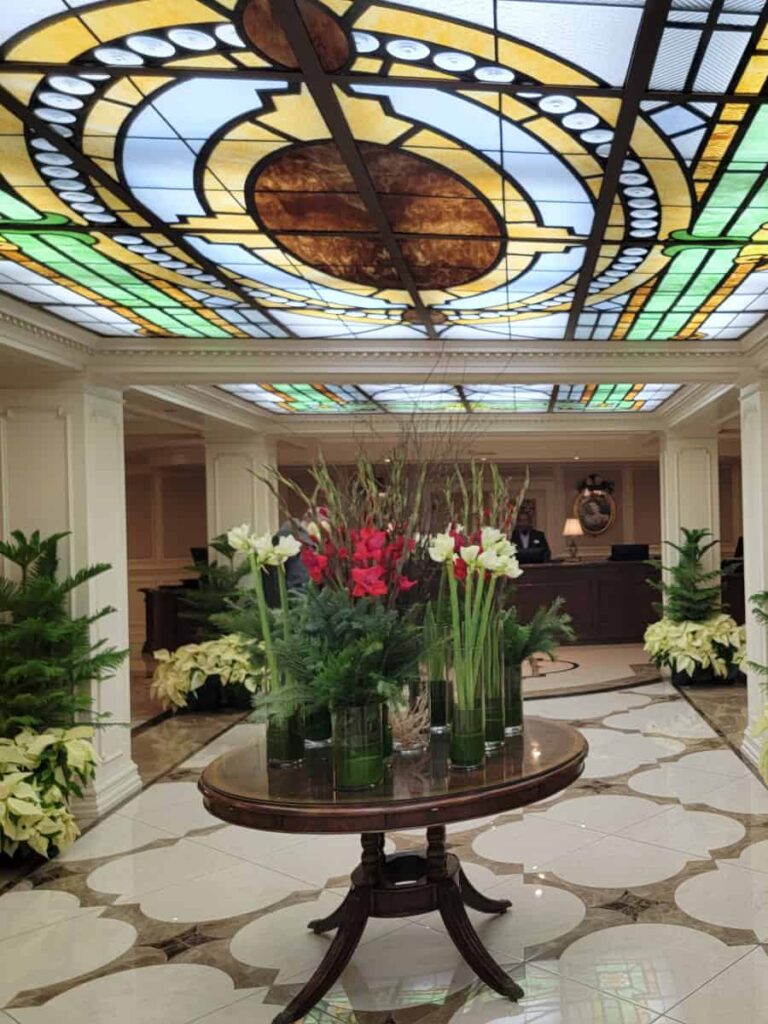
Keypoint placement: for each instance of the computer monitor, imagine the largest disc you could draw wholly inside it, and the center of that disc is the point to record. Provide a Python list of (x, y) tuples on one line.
[(531, 556), (629, 553)]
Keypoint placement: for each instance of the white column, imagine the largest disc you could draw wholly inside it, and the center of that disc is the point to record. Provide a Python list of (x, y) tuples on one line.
[(690, 489), (62, 467), (754, 487), (235, 494)]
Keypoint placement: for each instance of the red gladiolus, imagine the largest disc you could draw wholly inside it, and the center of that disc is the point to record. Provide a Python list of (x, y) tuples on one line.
[(316, 564), (460, 569), (368, 582), (403, 583)]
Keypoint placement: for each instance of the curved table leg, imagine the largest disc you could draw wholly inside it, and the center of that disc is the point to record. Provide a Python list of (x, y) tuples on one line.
[(477, 901), (351, 927), (466, 940), (330, 923)]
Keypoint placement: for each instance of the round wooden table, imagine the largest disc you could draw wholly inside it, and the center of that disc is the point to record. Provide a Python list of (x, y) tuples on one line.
[(419, 791)]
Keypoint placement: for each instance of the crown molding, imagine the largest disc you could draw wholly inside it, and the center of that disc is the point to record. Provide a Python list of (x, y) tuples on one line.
[(26, 331), (340, 361)]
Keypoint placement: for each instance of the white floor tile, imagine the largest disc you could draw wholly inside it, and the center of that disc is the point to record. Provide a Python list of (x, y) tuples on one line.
[(137, 873), (539, 913), (58, 952), (251, 1010), (585, 706), (740, 993), (221, 894), (248, 843), (670, 718), (694, 832), (407, 967), (609, 814), (728, 896), (754, 857), (616, 753), (745, 796), (660, 689), (23, 910), (720, 762), (654, 965), (614, 863), (531, 842), (163, 994), (175, 807), (238, 736), (550, 999), (282, 941), (686, 785), (471, 825), (116, 834), (321, 859)]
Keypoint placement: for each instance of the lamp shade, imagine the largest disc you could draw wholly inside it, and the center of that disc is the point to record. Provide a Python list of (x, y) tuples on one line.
[(572, 528)]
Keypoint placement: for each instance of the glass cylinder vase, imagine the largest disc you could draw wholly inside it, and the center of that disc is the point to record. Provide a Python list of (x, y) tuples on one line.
[(467, 745), (513, 700), (358, 754), (285, 740), (440, 702), (318, 731), (492, 668), (409, 720)]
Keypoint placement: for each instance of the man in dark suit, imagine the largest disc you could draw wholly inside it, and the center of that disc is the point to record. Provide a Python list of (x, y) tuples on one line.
[(530, 542)]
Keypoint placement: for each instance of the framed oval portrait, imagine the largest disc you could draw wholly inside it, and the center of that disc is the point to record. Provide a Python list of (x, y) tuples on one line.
[(595, 511)]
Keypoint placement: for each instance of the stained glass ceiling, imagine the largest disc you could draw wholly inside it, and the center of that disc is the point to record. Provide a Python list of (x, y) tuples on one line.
[(370, 169), (453, 398)]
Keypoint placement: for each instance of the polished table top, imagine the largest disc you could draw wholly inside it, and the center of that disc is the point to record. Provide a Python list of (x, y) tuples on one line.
[(419, 790)]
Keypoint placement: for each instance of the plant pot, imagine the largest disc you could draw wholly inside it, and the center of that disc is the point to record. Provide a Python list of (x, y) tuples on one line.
[(700, 676), (440, 702), (513, 700), (206, 697), (358, 754), (318, 731), (285, 740), (494, 723), (237, 696), (467, 747)]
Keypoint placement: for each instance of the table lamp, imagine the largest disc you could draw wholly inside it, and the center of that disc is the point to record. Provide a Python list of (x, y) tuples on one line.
[(572, 529)]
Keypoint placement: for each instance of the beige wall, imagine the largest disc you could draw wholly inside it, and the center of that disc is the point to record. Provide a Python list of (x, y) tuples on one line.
[(166, 517)]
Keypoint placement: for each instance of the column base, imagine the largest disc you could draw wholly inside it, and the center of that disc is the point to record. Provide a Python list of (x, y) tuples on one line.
[(113, 785), (751, 747)]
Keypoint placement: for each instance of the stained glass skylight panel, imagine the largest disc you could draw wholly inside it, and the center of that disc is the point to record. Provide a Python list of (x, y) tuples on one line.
[(216, 183), (472, 399)]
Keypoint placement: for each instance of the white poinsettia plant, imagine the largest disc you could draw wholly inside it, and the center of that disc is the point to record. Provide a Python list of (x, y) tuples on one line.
[(233, 658), (718, 643), (39, 772)]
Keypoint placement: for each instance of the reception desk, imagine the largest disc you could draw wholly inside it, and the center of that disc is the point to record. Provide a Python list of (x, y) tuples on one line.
[(610, 602)]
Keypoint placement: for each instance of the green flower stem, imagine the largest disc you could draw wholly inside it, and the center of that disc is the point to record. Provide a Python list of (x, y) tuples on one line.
[(264, 620), (284, 600), (456, 622)]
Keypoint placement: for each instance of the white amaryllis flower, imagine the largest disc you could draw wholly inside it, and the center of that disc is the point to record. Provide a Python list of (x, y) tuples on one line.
[(512, 567), (490, 537), (263, 548), (241, 538), (490, 560), (286, 547), (442, 548), (470, 555)]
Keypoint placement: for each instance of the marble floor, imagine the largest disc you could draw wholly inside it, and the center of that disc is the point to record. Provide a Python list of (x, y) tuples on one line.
[(640, 896), (582, 668)]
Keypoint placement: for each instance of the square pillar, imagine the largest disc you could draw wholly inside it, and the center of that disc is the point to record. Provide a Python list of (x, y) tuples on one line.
[(690, 489), (233, 494), (754, 461), (62, 467)]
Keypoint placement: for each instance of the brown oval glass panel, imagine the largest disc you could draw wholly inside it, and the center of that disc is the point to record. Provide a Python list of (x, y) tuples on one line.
[(306, 199), (263, 30)]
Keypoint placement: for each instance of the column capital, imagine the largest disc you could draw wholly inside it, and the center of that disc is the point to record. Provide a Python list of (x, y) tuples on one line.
[(754, 387)]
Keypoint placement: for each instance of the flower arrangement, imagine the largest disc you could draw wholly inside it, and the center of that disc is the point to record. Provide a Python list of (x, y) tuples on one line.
[(694, 636), (718, 644), (233, 658), (38, 774)]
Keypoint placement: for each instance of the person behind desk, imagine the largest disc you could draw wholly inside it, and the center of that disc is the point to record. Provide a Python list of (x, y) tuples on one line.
[(531, 544)]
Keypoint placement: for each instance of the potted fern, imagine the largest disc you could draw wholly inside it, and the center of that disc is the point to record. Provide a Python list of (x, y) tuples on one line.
[(48, 662), (694, 637), (547, 630)]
